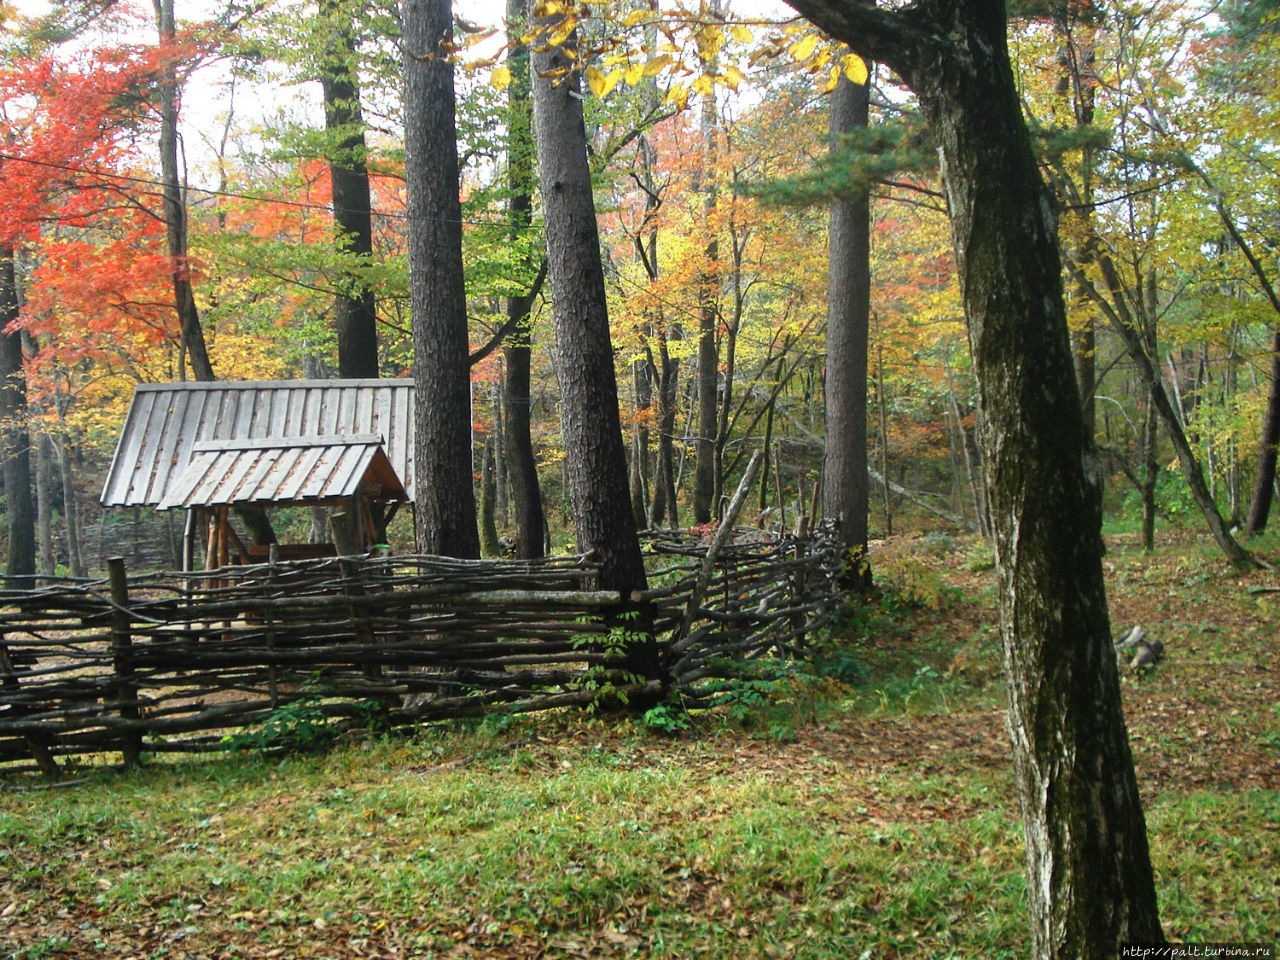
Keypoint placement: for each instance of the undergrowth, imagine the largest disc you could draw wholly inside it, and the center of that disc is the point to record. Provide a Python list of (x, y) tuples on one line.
[(857, 804)]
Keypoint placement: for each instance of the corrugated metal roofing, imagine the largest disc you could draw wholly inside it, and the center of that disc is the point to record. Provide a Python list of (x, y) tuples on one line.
[(281, 471), (166, 421)]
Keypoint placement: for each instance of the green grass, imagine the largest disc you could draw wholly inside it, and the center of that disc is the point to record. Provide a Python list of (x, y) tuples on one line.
[(868, 816)]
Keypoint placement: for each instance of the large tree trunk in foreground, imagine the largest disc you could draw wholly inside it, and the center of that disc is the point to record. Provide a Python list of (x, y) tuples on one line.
[(844, 461), (355, 312), (445, 508), (1090, 884), (594, 450), (20, 513)]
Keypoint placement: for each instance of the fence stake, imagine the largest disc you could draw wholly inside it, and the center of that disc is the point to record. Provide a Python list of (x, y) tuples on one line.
[(364, 632), (273, 683), (122, 660)]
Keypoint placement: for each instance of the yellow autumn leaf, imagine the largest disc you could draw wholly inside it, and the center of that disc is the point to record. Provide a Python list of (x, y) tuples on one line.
[(855, 68), (732, 77), (704, 85), (636, 16), (634, 74), (803, 49), (657, 64), (610, 81), (708, 38), (500, 79), (832, 80), (679, 96), (562, 32), (595, 80), (741, 32)]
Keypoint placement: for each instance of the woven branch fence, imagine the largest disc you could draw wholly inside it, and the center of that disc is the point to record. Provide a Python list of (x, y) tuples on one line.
[(171, 662)]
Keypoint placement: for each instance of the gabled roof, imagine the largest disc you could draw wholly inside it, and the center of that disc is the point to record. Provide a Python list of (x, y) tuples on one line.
[(166, 421), (283, 471)]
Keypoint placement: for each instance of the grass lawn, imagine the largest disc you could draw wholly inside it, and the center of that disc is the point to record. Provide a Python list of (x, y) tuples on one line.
[(866, 813)]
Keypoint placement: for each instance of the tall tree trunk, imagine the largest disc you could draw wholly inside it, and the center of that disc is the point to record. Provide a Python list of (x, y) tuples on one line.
[(1264, 477), (844, 460), (489, 546), (704, 468), (522, 464), (70, 508), (20, 514), (355, 312), (665, 507), (44, 504), (175, 209), (1090, 886), (445, 509), (595, 455)]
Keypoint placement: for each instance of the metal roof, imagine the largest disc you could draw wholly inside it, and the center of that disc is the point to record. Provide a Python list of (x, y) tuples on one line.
[(282, 471), (167, 420)]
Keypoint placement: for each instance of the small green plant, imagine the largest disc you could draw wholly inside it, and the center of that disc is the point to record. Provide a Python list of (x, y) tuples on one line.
[(300, 724), (665, 719), (44, 947), (606, 678)]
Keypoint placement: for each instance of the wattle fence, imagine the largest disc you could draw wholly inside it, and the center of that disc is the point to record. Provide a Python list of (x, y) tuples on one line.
[(246, 654)]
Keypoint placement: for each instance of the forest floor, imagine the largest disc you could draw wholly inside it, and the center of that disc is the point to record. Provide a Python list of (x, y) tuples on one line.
[(862, 811)]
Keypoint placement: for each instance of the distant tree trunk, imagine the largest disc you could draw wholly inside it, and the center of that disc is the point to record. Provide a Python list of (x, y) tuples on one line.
[(70, 509), (665, 506), (1090, 884), (355, 312), (522, 464), (20, 514), (44, 504), (1128, 328), (1264, 478), (489, 546), (175, 210), (595, 456), (845, 486), (643, 391), (704, 467), (1150, 473), (445, 510)]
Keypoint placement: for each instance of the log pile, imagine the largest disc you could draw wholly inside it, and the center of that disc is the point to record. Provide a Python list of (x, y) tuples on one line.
[(168, 662)]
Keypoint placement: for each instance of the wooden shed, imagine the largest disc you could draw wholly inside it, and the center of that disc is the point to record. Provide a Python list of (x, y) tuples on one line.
[(211, 448)]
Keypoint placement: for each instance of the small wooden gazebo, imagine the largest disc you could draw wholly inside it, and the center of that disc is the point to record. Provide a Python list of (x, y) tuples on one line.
[(215, 448), (349, 472)]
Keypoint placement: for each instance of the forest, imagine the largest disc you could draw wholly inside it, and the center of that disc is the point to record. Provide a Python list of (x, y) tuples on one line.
[(976, 273), (708, 138)]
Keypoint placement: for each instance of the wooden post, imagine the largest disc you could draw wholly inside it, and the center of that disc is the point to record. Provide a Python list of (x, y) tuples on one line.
[(273, 683), (122, 660), (37, 743), (363, 631)]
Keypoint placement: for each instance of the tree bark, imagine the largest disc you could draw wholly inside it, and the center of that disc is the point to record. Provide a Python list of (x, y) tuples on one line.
[(70, 508), (844, 460), (20, 514), (445, 509), (355, 310), (522, 464), (44, 504), (1090, 886), (175, 210), (704, 465), (595, 453), (1264, 478)]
